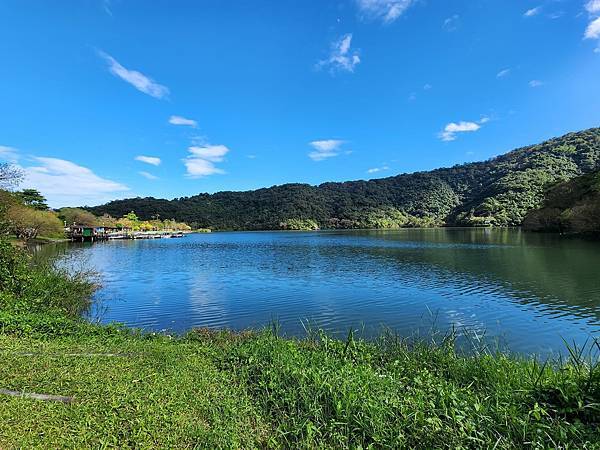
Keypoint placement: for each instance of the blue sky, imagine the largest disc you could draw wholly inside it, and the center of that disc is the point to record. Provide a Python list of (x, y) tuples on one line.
[(111, 99)]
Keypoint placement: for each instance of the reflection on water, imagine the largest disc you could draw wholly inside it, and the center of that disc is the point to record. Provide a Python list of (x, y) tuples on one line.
[(528, 291)]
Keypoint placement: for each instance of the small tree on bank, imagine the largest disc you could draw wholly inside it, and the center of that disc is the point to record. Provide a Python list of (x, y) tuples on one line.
[(28, 223)]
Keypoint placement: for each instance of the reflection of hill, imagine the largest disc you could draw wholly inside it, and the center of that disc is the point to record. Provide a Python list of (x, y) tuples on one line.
[(560, 273)]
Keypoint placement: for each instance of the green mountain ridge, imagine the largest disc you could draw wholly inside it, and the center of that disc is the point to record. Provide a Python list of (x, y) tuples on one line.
[(571, 206), (500, 191)]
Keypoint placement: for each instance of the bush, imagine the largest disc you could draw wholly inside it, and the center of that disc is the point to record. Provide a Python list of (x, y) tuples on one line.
[(29, 288), (28, 223)]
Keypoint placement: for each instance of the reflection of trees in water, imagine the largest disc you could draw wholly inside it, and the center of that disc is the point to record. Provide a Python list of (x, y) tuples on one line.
[(560, 272)]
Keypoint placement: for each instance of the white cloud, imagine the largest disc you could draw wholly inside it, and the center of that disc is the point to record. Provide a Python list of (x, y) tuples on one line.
[(65, 183), (451, 23), (197, 167), (377, 169), (152, 160), (593, 29), (593, 6), (452, 129), (503, 73), (137, 79), (533, 11), (427, 87), (147, 175), (341, 58), (201, 160), (384, 10), (324, 149), (214, 153), (178, 120), (8, 154), (535, 83)]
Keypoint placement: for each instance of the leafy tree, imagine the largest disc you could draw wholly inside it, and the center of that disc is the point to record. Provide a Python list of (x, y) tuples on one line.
[(33, 198), (570, 207), (10, 175), (28, 223), (7, 200), (77, 216)]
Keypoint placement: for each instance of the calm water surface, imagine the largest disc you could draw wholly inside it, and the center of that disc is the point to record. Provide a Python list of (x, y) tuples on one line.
[(526, 292)]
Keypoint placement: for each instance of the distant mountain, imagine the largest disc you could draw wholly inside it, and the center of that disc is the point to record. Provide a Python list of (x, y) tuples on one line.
[(500, 191), (570, 207)]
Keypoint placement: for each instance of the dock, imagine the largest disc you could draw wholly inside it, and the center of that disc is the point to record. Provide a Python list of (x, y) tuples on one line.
[(83, 233)]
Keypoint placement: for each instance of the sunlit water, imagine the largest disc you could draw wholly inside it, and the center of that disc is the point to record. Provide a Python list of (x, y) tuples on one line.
[(525, 292)]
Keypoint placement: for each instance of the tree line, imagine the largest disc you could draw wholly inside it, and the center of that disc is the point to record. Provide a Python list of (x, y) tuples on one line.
[(497, 192), (25, 214)]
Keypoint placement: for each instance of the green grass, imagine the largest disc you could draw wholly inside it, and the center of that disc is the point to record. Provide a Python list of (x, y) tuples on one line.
[(222, 390), (219, 389)]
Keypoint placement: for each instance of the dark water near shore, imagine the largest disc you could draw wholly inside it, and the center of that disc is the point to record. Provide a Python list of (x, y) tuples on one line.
[(526, 292)]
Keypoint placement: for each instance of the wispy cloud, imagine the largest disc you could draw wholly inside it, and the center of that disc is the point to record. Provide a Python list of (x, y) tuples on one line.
[(152, 160), (341, 57), (137, 79), (324, 149), (427, 86), (148, 175), (65, 183), (9, 154), (178, 120), (503, 73), (200, 161), (451, 23), (377, 169), (535, 83), (385, 10), (593, 29), (533, 11), (450, 131), (106, 6), (593, 6)]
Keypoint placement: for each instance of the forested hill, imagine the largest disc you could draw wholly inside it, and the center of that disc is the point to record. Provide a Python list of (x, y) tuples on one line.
[(570, 207), (499, 191)]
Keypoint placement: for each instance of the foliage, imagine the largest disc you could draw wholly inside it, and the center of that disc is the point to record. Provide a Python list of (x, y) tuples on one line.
[(78, 216), (132, 222), (10, 175), (257, 390), (299, 225), (499, 192), (29, 288), (32, 198), (570, 207), (7, 200), (28, 223)]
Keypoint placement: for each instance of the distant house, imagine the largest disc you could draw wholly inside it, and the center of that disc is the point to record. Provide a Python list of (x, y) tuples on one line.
[(87, 233)]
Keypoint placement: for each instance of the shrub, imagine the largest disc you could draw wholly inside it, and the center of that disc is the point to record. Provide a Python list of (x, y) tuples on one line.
[(25, 287)]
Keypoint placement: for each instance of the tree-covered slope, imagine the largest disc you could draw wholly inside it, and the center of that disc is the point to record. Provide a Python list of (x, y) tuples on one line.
[(571, 207), (500, 191)]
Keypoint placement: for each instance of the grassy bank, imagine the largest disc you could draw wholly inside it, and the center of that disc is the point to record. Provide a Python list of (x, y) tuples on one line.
[(255, 389)]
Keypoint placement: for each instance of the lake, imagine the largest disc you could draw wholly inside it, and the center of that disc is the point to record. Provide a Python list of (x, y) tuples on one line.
[(523, 292)]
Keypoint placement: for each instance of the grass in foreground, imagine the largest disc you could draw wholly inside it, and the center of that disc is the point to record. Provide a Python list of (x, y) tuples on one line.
[(255, 390), (220, 389)]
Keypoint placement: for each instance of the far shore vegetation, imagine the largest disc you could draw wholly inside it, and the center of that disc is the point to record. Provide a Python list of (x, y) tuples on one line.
[(25, 215), (497, 192)]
